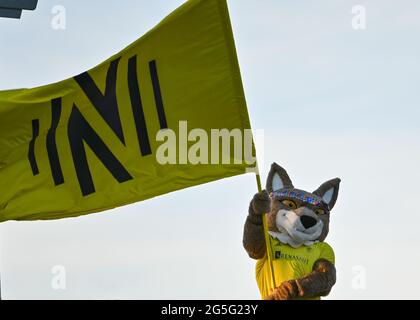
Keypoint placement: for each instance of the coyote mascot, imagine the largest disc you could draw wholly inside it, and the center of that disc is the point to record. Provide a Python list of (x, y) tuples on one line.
[(302, 264)]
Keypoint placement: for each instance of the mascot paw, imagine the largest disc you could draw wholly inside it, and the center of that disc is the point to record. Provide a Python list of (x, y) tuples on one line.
[(288, 290), (261, 203)]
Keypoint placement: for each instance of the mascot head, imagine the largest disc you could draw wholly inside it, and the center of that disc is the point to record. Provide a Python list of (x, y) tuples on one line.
[(299, 217)]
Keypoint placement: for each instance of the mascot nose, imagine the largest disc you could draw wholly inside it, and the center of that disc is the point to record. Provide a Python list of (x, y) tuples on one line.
[(307, 221)]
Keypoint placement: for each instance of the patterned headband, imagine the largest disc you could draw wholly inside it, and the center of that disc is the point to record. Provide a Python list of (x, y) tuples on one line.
[(301, 196)]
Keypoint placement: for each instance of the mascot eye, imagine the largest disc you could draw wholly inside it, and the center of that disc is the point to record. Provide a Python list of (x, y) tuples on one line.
[(319, 211), (290, 204)]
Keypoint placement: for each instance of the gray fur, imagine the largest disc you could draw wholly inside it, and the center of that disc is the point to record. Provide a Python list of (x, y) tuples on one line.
[(253, 239), (320, 281), (275, 168)]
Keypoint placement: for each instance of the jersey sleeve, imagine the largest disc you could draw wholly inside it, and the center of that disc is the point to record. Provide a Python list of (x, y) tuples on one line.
[(327, 253)]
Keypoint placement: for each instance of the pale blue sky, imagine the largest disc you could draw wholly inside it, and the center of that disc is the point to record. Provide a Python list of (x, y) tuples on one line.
[(332, 102)]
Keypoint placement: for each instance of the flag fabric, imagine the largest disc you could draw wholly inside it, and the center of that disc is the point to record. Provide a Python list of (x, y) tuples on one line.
[(91, 143)]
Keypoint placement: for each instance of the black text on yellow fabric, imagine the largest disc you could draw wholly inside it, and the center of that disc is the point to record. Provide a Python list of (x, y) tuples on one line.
[(88, 143)]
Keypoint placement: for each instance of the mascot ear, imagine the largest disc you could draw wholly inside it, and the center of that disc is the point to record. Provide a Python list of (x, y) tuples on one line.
[(328, 191), (278, 179)]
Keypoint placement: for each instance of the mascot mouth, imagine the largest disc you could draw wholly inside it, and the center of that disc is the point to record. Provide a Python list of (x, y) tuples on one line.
[(297, 230)]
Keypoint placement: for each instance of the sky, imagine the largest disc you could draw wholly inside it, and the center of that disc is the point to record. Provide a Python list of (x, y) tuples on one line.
[(332, 102)]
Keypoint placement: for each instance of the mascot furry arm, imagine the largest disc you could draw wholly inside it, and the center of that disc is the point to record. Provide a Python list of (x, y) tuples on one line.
[(298, 223)]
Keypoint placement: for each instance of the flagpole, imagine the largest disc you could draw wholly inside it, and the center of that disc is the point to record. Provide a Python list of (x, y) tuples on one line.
[(265, 227)]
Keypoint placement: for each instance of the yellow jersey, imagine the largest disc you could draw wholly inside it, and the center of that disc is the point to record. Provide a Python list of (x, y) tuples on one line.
[(289, 263)]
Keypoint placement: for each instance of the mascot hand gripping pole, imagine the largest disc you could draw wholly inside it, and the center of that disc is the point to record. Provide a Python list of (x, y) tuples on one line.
[(302, 263)]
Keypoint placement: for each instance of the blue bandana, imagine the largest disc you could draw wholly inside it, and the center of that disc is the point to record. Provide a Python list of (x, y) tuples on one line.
[(299, 195)]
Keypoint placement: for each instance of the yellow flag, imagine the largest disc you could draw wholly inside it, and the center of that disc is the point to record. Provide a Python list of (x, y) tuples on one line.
[(143, 123)]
